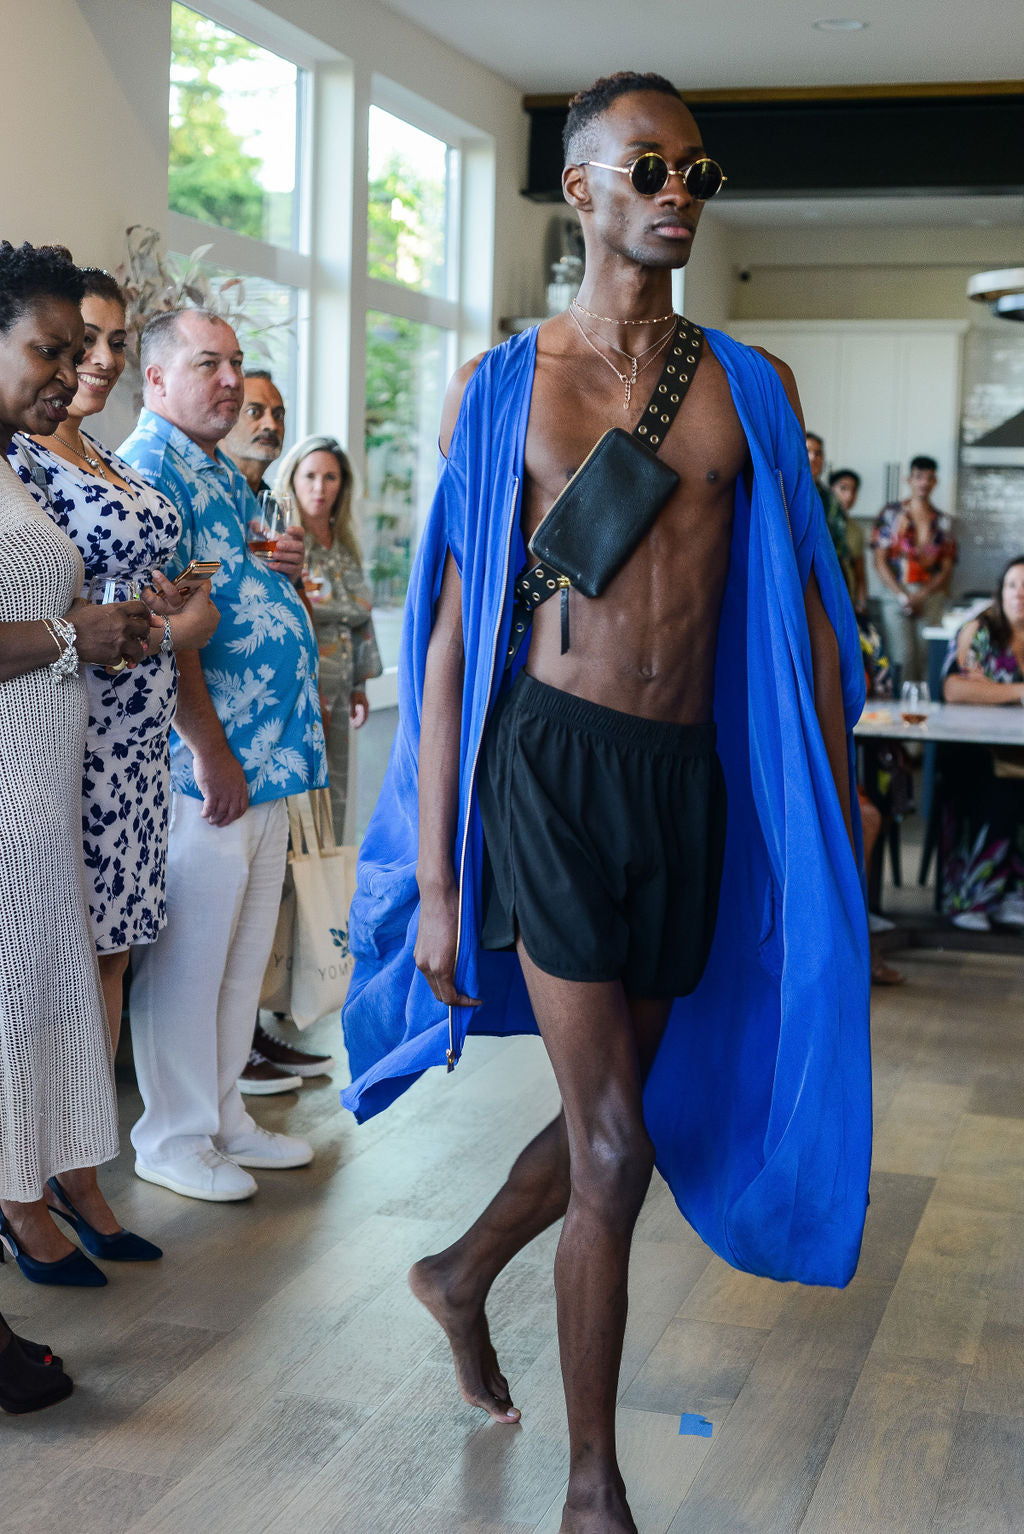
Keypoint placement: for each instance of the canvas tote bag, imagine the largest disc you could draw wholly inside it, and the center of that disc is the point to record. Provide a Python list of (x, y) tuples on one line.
[(324, 879)]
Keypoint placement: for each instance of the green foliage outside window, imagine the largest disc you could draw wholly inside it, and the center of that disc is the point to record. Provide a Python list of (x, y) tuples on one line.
[(210, 177)]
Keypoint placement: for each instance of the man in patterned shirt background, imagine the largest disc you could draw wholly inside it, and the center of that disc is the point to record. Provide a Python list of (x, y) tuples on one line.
[(247, 734)]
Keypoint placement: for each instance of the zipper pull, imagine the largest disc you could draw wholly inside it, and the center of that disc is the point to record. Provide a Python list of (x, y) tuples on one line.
[(564, 582)]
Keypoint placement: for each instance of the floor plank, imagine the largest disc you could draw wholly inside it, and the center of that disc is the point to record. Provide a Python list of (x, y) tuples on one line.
[(273, 1370)]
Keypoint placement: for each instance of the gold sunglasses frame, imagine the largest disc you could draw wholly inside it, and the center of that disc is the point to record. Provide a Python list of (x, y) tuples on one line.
[(681, 171)]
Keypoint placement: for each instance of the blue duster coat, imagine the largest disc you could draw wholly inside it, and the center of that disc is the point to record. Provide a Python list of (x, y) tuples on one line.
[(759, 1100)]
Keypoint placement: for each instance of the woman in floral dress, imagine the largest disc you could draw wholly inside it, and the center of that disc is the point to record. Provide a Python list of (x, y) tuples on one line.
[(318, 476), (125, 531), (982, 835)]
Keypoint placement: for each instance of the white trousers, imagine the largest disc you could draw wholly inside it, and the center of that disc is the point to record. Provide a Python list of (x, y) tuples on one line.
[(195, 991)]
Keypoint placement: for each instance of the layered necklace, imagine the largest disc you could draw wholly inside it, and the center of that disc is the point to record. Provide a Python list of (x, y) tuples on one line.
[(636, 363)]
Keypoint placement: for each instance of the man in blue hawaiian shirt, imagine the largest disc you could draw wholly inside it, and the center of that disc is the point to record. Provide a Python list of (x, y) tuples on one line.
[(247, 734)]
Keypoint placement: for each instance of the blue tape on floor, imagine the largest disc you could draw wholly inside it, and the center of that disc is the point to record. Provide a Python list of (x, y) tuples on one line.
[(693, 1423)]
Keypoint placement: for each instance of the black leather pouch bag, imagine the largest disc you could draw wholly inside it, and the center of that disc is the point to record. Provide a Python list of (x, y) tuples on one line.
[(607, 507)]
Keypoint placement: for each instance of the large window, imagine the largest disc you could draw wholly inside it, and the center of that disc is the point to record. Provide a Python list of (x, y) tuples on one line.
[(237, 138), (413, 276)]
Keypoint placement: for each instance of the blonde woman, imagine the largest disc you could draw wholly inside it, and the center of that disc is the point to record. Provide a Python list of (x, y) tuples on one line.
[(318, 477)]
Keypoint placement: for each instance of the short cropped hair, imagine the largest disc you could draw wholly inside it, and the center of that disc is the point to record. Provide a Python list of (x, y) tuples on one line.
[(161, 339), (29, 272), (100, 284), (578, 136), (844, 474), (263, 373), (813, 436), (922, 461)]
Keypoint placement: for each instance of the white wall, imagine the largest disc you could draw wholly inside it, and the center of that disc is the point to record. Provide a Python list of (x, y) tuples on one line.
[(710, 274), (85, 95)]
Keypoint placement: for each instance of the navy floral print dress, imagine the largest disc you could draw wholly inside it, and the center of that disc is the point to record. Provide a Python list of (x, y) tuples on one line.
[(122, 536)]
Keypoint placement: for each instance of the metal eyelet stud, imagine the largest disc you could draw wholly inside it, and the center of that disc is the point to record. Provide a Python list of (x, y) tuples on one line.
[(642, 431), (665, 420), (691, 359), (654, 410), (655, 440), (675, 399), (684, 378), (552, 585), (520, 628), (677, 351), (663, 388)]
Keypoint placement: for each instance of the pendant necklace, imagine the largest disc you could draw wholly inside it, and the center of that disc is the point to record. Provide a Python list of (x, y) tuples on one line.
[(94, 463), (636, 366)]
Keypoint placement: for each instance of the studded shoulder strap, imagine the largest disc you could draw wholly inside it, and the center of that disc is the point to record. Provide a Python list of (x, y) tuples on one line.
[(537, 581)]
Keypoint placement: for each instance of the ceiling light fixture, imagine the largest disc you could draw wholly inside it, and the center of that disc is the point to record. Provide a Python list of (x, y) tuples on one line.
[(1003, 291), (840, 24)]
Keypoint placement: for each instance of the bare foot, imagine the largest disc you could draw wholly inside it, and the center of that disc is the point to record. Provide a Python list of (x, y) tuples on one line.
[(36, 1233), (83, 1190), (477, 1375)]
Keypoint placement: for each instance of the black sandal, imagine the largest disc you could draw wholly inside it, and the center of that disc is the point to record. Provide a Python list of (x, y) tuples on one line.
[(26, 1383)]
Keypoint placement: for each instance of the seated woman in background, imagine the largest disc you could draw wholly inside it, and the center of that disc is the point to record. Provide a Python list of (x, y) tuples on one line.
[(124, 530), (57, 1106), (982, 834), (914, 556), (318, 475)]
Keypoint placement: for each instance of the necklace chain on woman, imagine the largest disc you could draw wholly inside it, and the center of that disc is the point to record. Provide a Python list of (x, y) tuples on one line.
[(659, 319), (94, 463), (636, 368)]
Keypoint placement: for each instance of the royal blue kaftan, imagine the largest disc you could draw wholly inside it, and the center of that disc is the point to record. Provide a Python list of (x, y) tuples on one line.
[(759, 1100)]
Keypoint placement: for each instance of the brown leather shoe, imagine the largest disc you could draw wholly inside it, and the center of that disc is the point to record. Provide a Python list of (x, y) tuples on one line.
[(262, 1079), (295, 1062)]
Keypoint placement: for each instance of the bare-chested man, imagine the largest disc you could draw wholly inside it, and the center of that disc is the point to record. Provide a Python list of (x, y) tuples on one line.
[(596, 780)]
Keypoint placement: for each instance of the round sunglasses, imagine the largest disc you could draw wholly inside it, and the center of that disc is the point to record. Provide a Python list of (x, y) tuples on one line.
[(649, 174)]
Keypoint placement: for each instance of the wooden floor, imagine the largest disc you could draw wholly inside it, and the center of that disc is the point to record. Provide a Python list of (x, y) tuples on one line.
[(273, 1371)]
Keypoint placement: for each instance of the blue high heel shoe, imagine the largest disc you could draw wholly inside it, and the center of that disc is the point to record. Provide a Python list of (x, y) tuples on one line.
[(122, 1247), (73, 1271)]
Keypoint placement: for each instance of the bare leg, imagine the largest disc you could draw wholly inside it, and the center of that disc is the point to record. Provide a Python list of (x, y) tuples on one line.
[(81, 1184), (36, 1231), (591, 1036), (454, 1284), (112, 972)]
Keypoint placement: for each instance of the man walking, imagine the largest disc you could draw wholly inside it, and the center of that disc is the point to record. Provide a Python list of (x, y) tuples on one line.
[(247, 733), (550, 836), (252, 444)]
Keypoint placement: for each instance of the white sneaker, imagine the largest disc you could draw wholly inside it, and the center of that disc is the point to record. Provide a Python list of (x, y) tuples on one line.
[(878, 923), (259, 1147), (971, 921), (205, 1173), (1010, 911)]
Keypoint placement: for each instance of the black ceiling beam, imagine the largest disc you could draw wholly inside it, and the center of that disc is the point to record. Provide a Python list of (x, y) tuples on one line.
[(836, 146)]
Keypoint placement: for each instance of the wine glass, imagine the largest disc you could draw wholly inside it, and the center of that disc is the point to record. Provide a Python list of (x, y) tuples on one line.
[(914, 702), (265, 529)]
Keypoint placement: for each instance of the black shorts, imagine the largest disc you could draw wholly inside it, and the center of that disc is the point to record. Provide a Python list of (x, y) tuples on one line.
[(603, 840)]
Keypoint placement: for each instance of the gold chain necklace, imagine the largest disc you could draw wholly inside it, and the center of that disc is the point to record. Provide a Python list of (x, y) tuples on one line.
[(94, 463), (659, 319), (626, 379)]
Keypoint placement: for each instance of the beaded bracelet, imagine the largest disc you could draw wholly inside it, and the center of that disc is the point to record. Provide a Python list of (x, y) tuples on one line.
[(64, 636)]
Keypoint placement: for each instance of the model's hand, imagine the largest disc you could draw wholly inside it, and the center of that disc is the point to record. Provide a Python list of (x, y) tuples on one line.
[(191, 629), (358, 707), (915, 603), (110, 632), (222, 784), (290, 553), (437, 942)]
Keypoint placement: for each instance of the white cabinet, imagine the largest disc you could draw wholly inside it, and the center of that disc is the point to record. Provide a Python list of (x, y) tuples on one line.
[(877, 391)]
